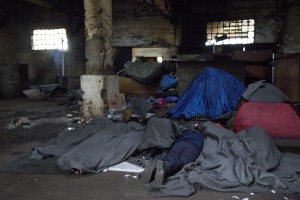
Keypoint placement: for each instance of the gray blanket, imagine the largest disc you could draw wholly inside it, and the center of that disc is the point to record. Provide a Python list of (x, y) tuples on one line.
[(104, 143), (243, 162)]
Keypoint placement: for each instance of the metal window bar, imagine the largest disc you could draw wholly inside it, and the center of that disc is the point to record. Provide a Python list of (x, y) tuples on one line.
[(237, 31), (47, 39)]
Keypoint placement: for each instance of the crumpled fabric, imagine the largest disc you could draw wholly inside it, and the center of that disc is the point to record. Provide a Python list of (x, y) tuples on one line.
[(244, 162)]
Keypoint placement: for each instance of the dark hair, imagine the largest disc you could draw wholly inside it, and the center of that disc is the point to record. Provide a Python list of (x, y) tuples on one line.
[(169, 67)]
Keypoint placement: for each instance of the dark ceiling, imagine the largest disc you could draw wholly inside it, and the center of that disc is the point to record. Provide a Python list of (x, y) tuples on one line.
[(173, 9), (13, 9)]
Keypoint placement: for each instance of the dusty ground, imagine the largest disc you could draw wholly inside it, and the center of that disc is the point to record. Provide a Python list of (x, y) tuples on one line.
[(47, 118)]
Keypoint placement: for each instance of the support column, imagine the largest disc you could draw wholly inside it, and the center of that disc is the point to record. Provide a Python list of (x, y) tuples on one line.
[(99, 57), (98, 26), (94, 95)]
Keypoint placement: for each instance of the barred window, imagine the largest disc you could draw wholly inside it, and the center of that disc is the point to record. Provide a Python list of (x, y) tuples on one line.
[(47, 39), (230, 32)]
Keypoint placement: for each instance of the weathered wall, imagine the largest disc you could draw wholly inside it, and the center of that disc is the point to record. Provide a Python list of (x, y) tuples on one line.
[(287, 76), (290, 38), (147, 31), (268, 16), (15, 40), (134, 25)]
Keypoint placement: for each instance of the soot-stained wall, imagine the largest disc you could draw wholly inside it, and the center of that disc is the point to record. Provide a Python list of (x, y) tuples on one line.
[(42, 65)]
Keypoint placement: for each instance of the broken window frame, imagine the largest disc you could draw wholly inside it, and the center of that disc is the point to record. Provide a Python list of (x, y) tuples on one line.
[(49, 39), (236, 31)]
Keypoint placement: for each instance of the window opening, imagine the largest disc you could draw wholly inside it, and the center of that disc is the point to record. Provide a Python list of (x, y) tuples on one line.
[(230, 32), (48, 39)]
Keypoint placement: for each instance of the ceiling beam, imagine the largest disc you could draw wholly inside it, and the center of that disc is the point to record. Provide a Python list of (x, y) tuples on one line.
[(43, 3), (153, 7), (53, 5)]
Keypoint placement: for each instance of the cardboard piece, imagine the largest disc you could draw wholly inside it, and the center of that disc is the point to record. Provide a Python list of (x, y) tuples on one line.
[(129, 86), (117, 101)]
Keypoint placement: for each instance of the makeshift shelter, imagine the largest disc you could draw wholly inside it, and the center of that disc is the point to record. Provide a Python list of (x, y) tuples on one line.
[(265, 106), (213, 93)]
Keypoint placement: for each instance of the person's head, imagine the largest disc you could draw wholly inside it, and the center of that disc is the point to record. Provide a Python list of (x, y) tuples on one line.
[(169, 67)]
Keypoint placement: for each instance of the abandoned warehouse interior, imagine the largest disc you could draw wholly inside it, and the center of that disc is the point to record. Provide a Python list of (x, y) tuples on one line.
[(87, 85)]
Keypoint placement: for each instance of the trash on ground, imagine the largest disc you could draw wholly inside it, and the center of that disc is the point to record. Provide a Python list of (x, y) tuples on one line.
[(16, 123), (126, 167)]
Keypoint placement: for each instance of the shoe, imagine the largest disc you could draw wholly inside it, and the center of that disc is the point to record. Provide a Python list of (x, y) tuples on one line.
[(75, 171), (160, 173), (147, 175)]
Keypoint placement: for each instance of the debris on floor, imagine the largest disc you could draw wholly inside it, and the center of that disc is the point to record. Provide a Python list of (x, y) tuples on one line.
[(126, 167), (16, 123)]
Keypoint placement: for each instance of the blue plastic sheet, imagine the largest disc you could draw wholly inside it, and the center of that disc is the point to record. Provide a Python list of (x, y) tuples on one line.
[(167, 82), (211, 94)]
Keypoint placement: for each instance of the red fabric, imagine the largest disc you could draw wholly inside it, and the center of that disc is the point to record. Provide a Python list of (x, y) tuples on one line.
[(280, 120)]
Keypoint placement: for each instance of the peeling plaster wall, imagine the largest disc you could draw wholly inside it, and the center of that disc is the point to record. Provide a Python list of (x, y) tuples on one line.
[(7, 45), (267, 30), (290, 39), (142, 31), (43, 66), (135, 25)]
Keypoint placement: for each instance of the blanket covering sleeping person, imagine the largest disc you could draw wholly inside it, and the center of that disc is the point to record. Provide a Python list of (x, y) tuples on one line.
[(103, 143), (244, 162)]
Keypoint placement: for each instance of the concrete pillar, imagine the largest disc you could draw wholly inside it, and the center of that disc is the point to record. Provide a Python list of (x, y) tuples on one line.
[(98, 25), (94, 96), (99, 57)]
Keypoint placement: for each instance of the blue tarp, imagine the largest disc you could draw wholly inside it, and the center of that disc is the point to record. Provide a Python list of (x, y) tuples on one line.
[(211, 94)]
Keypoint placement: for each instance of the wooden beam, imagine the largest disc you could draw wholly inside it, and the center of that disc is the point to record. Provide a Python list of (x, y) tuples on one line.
[(154, 8), (43, 3), (52, 5)]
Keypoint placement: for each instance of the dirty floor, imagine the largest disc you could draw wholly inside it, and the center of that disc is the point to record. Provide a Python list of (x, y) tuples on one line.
[(47, 118)]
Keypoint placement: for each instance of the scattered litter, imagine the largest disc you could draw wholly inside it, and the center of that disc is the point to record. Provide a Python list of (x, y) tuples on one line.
[(70, 128), (32, 93), (246, 198), (149, 115), (77, 120), (251, 193), (70, 115), (35, 179), (23, 121), (129, 175), (105, 170), (235, 197), (273, 191), (286, 198), (115, 114), (126, 167)]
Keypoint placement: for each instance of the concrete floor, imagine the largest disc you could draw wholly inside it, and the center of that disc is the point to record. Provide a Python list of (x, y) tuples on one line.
[(48, 118)]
